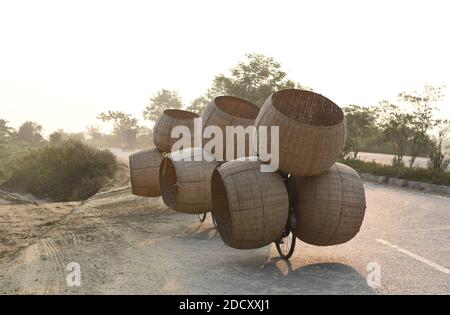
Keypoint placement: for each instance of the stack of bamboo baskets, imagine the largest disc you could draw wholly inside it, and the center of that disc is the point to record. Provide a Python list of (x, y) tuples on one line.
[(144, 165), (252, 207)]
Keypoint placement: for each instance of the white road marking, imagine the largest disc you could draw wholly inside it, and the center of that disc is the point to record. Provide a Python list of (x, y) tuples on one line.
[(439, 228), (415, 256)]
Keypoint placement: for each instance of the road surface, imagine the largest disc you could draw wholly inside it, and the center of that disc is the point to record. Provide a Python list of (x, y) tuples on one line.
[(128, 244), (386, 159)]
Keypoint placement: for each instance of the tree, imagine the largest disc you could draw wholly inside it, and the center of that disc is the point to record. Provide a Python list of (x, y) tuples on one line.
[(161, 101), (5, 130), (56, 137), (30, 132), (121, 120), (253, 79), (144, 131), (438, 161), (360, 121), (395, 125), (94, 132), (77, 136), (199, 104), (422, 117)]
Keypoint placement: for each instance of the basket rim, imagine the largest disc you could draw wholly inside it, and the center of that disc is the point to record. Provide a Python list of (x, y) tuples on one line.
[(343, 121), (172, 203), (154, 149), (219, 106), (180, 114), (217, 172)]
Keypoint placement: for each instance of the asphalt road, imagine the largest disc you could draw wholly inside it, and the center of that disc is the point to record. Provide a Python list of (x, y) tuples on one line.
[(405, 236), (386, 159)]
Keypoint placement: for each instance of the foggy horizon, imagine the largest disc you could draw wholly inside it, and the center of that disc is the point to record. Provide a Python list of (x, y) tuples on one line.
[(61, 65)]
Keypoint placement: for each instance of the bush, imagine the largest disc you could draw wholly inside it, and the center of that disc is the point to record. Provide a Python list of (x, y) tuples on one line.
[(426, 175), (10, 153), (67, 171), (437, 159)]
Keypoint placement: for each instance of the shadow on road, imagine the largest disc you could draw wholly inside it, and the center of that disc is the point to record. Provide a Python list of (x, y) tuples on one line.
[(320, 278), (211, 267)]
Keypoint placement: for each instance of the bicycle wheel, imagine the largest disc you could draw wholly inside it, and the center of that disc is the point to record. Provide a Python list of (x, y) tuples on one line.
[(286, 245), (214, 221), (202, 217)]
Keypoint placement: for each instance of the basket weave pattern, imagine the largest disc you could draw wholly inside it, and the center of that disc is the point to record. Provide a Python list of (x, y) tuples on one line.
[(226, 111), (251, 207), (329, 207), (311, 130), (186, 185), (144, 171), (167, 121)]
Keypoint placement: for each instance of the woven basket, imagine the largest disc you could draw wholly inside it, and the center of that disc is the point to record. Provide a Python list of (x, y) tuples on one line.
[(311, 130), (226, 111), (144, 171), (329, 207), (250, 207), (169, 119), (186, 185)]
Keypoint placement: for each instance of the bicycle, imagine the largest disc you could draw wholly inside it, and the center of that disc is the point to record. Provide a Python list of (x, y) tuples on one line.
[(202, 218), (286, 243)]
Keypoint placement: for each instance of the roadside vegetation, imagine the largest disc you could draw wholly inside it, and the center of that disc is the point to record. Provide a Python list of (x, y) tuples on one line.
[(66, 171), (61, 169), (426, 175), (408, 127)]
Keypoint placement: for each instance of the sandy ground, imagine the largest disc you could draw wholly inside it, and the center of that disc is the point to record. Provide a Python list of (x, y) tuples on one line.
[(131, 245)]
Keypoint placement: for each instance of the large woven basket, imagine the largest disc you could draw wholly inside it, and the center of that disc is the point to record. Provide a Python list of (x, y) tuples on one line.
[(311, 130), (329, 207), (144, 171), (169, 119), (186, 185), (226, 111), (250, 207)]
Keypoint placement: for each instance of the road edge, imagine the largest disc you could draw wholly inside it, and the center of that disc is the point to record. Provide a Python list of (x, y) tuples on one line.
[(404, 183)]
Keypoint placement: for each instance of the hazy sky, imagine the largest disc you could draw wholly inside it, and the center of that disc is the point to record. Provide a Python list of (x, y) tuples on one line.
[(63, 62)]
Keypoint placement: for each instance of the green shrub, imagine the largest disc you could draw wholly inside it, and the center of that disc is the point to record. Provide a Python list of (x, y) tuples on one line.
[(67, 171), (10, 153), (432, 176)]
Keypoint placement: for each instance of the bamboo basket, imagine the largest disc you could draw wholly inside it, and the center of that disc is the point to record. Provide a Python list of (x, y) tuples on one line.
[(329, 207), (144, 171), (169, 119), (250, 207), (226, 111), (186, 185), (311, 130)]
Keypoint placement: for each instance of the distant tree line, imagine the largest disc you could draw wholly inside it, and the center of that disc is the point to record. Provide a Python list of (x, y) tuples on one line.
[(409, 127), (253, 79), (405, 127)]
